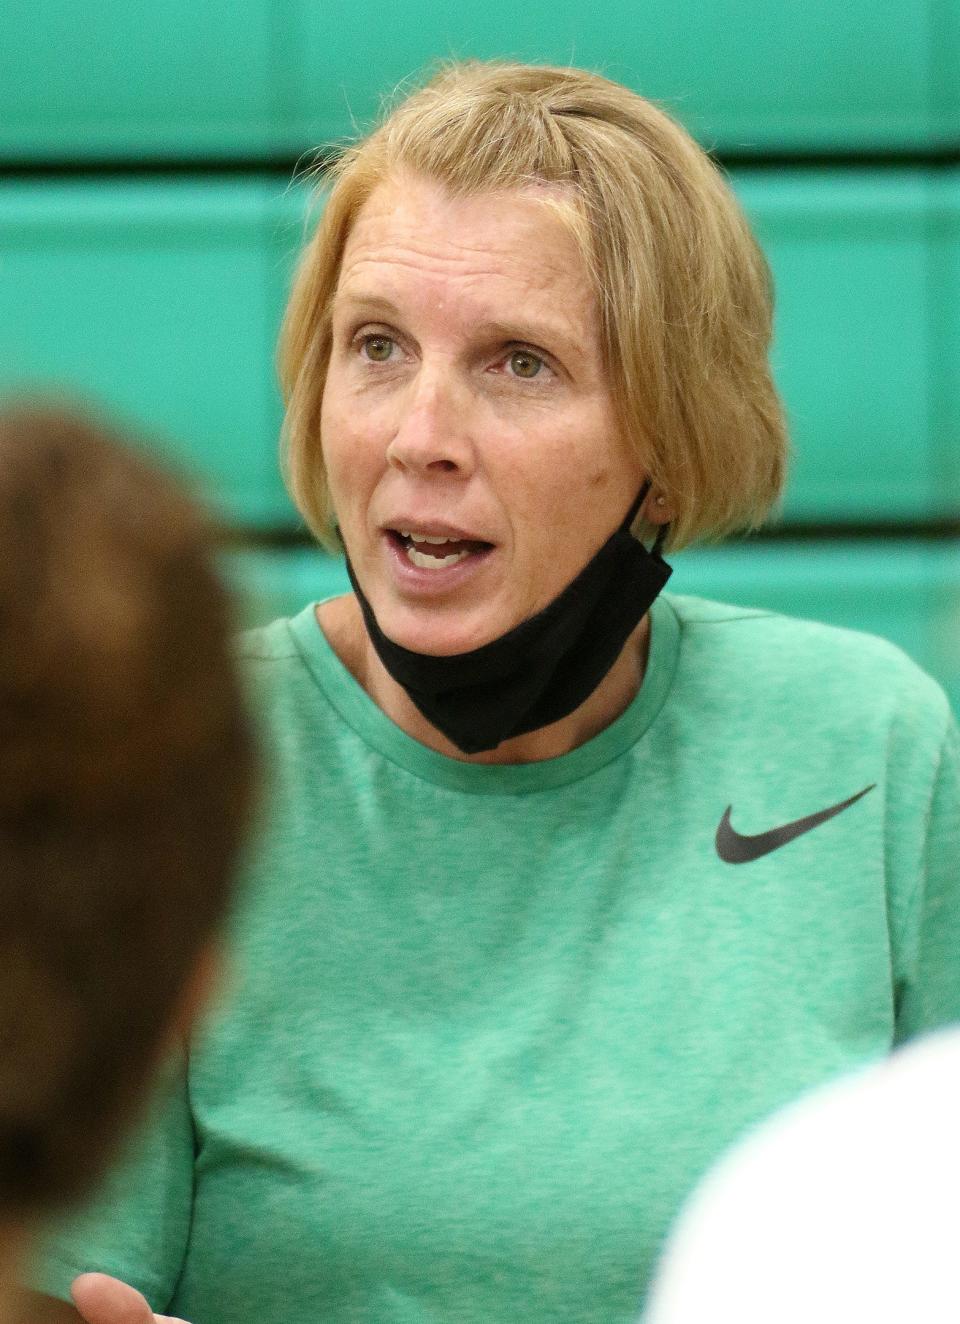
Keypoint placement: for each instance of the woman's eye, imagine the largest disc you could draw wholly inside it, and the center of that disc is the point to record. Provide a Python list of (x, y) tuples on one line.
[(377, 348), (524, 364)]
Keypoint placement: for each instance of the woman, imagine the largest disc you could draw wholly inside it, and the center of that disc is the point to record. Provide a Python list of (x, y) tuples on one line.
[(565, 881)]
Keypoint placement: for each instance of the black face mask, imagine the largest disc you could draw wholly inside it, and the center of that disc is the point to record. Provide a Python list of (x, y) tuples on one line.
[(546, 666)]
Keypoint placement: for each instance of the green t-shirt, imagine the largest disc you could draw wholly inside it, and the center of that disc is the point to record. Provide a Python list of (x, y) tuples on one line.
[(487, 1025)]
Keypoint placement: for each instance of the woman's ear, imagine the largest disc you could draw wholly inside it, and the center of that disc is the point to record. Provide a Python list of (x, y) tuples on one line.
[(656, 508)]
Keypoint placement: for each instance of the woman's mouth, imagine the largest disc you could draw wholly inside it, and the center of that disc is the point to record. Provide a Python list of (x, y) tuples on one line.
[(429, 551)]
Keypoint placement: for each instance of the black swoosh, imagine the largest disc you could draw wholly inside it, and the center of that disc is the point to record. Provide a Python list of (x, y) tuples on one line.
[(734, 848)]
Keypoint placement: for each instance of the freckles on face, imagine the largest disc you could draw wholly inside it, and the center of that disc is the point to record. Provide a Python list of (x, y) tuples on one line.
[(466, 389)]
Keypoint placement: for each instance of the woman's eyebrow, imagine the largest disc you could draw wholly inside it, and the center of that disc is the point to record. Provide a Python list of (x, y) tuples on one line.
[(547, 334), (374, 303)]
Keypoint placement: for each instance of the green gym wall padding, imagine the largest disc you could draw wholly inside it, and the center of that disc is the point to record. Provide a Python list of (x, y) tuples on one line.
[(159, 300), (745, 76), (862, 328), (124, 79), (176, 79), (945, 340)]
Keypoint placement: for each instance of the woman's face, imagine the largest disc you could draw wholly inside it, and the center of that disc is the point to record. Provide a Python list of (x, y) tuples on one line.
[(467, 401)]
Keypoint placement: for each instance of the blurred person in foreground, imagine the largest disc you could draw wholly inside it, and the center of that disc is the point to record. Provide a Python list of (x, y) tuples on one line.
[(126, 770), (843, 1207), (565, 880)]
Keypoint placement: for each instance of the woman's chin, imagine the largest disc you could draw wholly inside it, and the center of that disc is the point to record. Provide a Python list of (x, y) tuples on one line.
[(437, 633)]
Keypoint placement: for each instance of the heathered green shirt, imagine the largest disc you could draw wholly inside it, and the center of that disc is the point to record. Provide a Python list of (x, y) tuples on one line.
[(487, 1025)]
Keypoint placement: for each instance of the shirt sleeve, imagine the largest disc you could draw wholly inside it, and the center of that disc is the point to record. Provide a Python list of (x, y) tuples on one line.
[(927, 954), (136, 1226)]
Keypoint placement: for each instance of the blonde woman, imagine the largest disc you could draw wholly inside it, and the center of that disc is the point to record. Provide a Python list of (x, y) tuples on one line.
[(566, 879)]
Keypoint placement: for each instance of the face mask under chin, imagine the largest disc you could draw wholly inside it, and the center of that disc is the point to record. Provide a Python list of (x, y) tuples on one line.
[(543, 669)]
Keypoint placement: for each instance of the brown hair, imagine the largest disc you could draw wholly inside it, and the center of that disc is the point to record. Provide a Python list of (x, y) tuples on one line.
[(126, 776), (683, 290)]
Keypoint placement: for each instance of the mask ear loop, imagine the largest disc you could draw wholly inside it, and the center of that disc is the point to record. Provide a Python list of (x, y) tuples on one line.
[(634, 510)]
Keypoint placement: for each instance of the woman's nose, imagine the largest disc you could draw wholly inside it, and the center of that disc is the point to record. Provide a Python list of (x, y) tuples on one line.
[(431, 434)]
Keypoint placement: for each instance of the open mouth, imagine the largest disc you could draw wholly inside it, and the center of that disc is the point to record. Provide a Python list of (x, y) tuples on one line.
[(433, 552)]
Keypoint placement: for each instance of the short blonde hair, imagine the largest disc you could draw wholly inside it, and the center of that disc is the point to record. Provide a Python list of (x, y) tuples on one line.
[(683, 290)]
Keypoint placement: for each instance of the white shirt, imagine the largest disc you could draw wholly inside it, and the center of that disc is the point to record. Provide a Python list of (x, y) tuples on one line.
[(844, 1207)]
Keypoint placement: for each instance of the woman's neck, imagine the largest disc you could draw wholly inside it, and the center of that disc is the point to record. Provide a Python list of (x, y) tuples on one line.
[(342, 623)]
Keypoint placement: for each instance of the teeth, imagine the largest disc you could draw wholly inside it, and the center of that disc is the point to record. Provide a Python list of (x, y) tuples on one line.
[(424, 537), (434, 562)]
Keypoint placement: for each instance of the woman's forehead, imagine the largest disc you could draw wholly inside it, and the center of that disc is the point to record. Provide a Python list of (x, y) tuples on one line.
[(412, 232)]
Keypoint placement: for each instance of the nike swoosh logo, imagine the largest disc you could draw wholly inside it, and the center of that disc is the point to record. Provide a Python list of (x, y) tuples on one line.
[(735, 848)]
